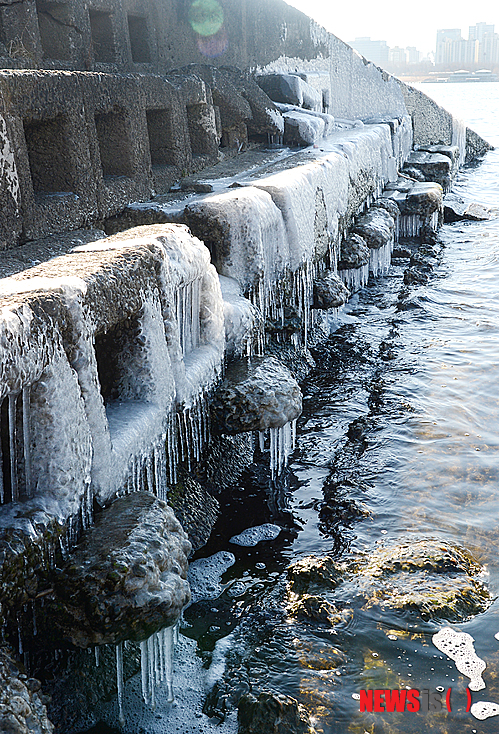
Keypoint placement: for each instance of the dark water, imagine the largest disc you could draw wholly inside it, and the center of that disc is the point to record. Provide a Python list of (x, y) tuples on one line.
[(399, 440)]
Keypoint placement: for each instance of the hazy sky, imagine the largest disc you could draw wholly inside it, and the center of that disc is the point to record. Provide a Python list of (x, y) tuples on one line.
[(400, 23)]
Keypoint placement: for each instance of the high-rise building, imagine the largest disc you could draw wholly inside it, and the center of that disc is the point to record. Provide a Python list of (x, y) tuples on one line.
[(375, 51), (482, 46)]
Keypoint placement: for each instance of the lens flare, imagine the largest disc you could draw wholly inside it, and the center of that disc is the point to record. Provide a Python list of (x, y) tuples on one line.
[(206, 17), (213, 46)]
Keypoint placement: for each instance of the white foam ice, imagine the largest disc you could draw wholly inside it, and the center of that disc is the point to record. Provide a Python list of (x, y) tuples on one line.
[(458, 646), (205, 575), (257, 534), (482, 710)]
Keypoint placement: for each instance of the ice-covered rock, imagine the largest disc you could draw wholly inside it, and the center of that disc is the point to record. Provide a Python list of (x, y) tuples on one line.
[(290, 89), (255, 396), (302, 129), (375, 227), (329, 291), (243, 321), (353, 252), (125, 580), (434, 166)]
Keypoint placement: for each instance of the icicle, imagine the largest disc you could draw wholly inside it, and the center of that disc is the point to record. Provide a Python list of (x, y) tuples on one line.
[(97, 656), (168, 648), (33, 610), (119, 679), (26, 440), (144, 669), (12, 447), (380, 259), (151, 658)]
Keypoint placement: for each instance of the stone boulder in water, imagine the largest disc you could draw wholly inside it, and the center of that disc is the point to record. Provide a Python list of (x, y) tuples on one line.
[(22, 710), (426, 577), (255, 396), (272, 713), (436, 580), (329, 291), (125, 580)]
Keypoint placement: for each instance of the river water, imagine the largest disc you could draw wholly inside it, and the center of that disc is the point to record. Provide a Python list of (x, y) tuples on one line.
[(418, 369)]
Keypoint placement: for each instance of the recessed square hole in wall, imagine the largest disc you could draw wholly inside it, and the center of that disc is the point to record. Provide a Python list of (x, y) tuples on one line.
[(54, 22), (159, 129), (139, 39), (101, 28), (118, 352), (48, 144), (15, 459), (113, 136)]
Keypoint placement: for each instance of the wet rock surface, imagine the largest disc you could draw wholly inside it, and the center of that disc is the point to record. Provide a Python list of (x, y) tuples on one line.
[(22, 705), (456, 210), (125, 580), (272, 713), (255, 396), (431, 579), (329, 291), (195, 508)]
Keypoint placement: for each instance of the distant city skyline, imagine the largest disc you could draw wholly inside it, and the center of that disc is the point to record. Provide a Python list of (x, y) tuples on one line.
[(406, 24)]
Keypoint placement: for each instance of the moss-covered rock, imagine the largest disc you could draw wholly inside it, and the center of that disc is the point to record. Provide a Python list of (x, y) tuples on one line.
[(432, 579), (272, 713)]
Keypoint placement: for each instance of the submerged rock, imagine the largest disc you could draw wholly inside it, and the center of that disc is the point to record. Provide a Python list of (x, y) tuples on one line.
[(272, 713), (317, 609), (255, 396), (436, 580), (312, 574), (22, 710), (125, 580), (329, 291), (426, 577), (413, 276)]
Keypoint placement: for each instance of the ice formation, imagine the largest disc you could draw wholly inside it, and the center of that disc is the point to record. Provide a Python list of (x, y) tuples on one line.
[(253, 536), (281, 444), (458, 646), (156, 662)]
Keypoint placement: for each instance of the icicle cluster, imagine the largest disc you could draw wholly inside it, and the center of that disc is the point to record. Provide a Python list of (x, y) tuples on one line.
[(156, 658), (281, 443), (380, 259), (355, 278)]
